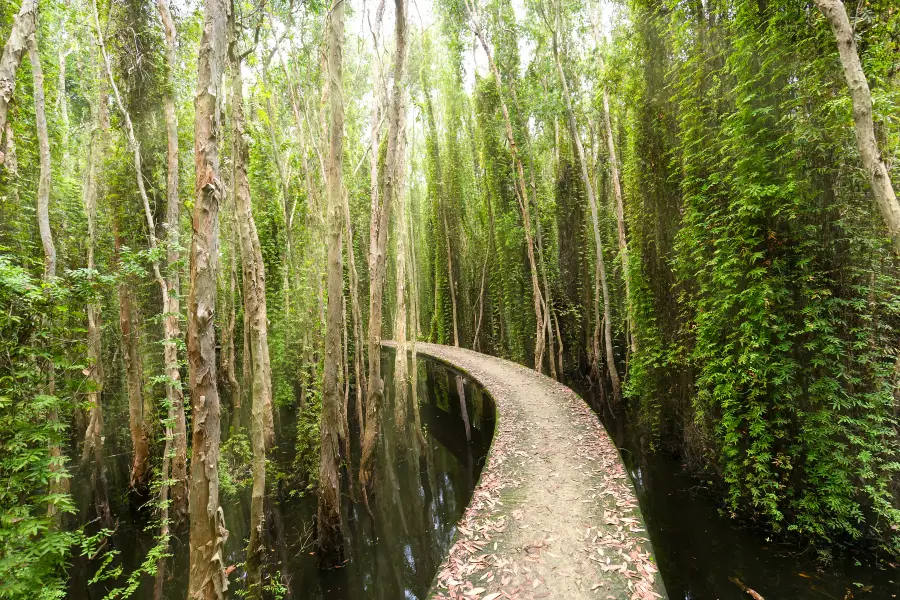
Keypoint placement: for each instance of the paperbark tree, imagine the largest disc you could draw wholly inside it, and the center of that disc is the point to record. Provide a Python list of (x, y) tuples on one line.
[(378, 253), (174, 388), (58, 483), (171, 332), (620, 214), (330, 526), (93, 436), (521, 191), (254, 279), (434, 150), (134, 382), (23, 28), (600, 284), (207, 580), (879, 176), (401, 372), (43, 197), (359, 355)]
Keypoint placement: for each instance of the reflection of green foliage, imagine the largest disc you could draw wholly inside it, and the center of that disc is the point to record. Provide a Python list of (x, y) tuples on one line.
[(110, 570), (235, 473), (306, 464)]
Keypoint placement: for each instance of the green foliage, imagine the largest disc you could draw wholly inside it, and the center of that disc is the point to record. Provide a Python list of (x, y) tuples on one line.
[(33, 546), (234, 464), (306, 465), (785, 288)]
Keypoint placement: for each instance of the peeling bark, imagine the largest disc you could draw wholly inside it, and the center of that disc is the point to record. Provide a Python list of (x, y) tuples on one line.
[(329, 522), (379, 234), (207, 579), (401, 371), (59, 484), (254, 277), (174, 388), (23, 28)]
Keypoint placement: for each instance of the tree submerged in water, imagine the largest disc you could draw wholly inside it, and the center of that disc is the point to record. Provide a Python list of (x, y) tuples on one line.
[(691, 205)]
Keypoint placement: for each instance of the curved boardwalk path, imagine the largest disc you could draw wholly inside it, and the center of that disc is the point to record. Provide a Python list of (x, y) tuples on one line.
[(554, 514)]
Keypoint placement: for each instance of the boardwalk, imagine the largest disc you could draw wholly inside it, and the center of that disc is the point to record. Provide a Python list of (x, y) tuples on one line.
[(554, 514)]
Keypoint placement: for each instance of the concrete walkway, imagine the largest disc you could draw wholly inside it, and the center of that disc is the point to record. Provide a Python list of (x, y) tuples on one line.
[(554, 514)]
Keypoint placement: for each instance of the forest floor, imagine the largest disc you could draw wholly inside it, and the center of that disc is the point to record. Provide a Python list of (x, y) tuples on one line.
[(554, 514)]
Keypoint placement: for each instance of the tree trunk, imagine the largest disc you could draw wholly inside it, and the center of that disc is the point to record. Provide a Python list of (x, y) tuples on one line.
[(414, 332), (600, 284), (229, 353), (879, 176), (330, 527), (620, 216), (475, 343), (93, 436), (174, 388), (62, 106), (255, 308), (23, 28), (131, 355), (450, 281), (58, 483), (359, 355), (521, 193), (286, 212), (401, 371), (170, 302), (207, 580), (43, 197), (378, 252)]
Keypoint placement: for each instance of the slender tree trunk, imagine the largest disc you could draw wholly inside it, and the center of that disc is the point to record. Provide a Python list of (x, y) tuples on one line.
[(93, 436), (359, 356), (229, 354), (255, 308), (207, 580), (378, 253), (59, 484), (548, 312), (401, 371), (131, 354), (43, 197), (287, 212), (170, 309), (330, 526), (521, 193), (174, 388), (62, 106), (23, 28), (600, 284), (414, 333), (873, 162), (451, 283), (620, 217), (434, 150), (475, 343)]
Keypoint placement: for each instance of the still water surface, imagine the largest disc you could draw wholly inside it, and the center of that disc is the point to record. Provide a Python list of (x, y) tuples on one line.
[(418, 499), (705, 555)]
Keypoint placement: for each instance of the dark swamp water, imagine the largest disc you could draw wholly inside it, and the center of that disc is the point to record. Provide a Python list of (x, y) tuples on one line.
[(418, 499), (703, 554)]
